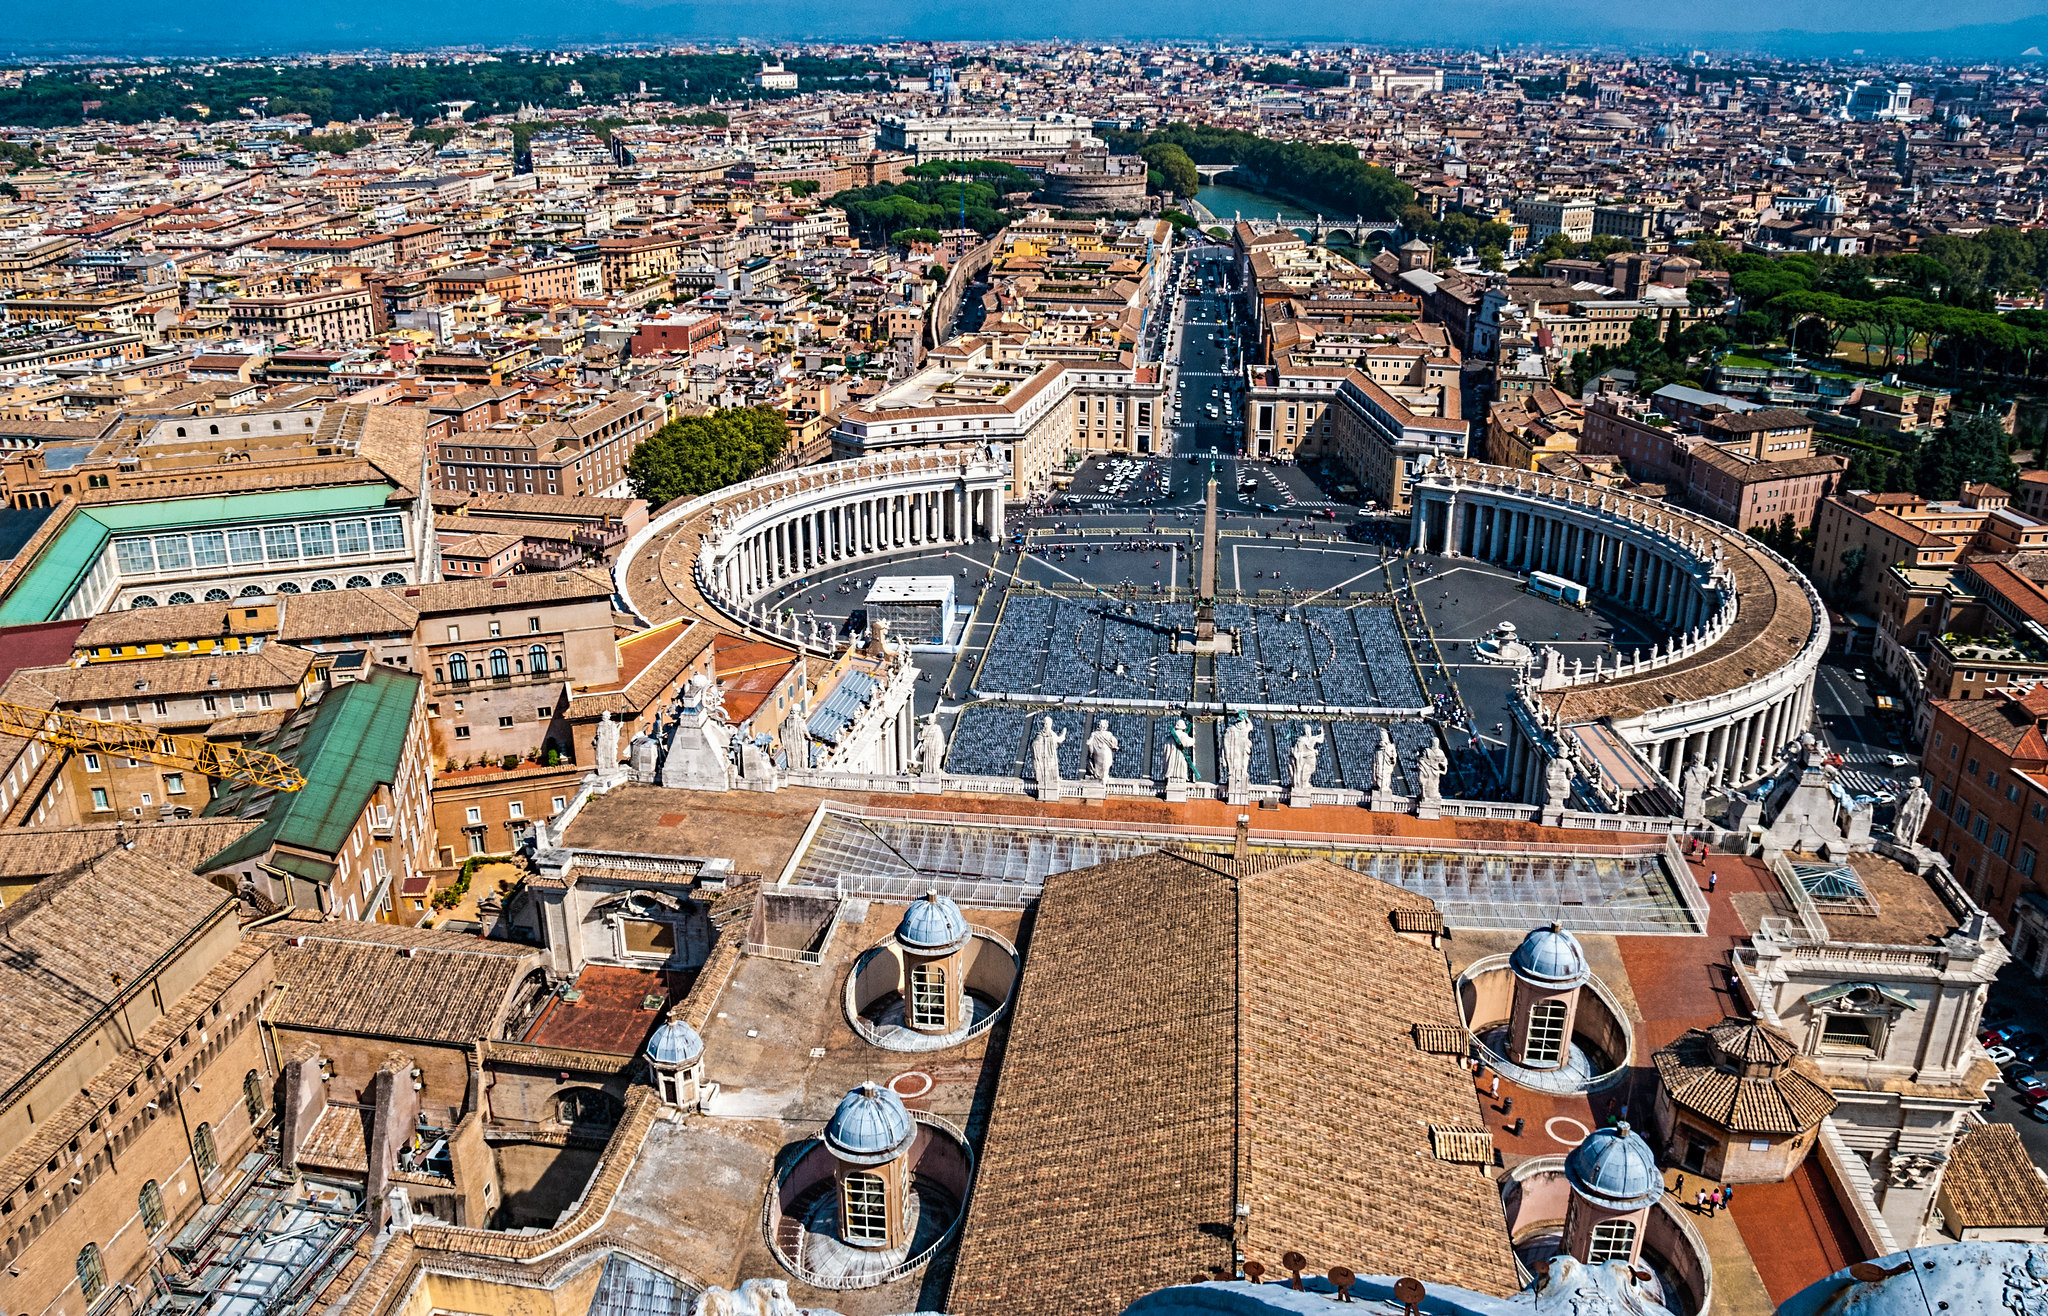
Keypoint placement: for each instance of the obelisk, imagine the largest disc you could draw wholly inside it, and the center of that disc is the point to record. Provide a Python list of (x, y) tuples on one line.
[(1205, 586)]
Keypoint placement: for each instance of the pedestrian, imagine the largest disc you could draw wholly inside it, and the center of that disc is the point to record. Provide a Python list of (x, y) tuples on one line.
[(1713, 1203), (1494, 1090), (1728, 1196), (1678, 1189), (1700, 1205), (1712, 877)]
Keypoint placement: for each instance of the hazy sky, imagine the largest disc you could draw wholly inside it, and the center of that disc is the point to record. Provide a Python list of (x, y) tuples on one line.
[(1902, 27)]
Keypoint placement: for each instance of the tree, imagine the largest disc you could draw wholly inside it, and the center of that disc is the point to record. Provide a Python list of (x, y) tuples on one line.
[(1849, 579), (1970, 449), (697, 454), (1173, 163)]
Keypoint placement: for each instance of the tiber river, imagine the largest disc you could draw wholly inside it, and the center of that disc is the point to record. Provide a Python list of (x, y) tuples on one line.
[(1225, 201)]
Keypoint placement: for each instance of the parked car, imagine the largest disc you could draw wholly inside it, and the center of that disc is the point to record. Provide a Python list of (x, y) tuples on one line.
[(2001, 1055), (1858, 674), (2031, 1088), (2000, 1033)]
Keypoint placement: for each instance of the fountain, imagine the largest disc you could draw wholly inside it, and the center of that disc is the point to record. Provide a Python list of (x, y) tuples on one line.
[(1502, 645)]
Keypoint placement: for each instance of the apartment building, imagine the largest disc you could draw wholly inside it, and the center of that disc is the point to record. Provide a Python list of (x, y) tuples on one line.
[(580, 446), (1033, 412), (229, 698), (1288, 406), (498, 655), (339, 316), (1547, 217), (1538, 423), (363, 823), (1986, 767), (1381, 442), (1858, 535), (1752, 493)]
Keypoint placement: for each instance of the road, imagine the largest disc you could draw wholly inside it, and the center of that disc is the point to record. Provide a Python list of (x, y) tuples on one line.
[(1847, 718), (1208, 345)]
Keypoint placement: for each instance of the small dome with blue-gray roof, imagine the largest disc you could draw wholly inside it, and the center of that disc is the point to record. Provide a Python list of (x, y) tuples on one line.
[(870, 1127), (932, 926), (1550, 957), (1616, 1169), (674, 1045)]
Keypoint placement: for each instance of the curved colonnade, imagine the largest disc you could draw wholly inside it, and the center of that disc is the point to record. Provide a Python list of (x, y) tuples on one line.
[(1731, 686), (720, 553)]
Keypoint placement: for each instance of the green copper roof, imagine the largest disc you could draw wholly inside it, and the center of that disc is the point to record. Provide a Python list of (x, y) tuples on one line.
[(346, 745), (48, 585)]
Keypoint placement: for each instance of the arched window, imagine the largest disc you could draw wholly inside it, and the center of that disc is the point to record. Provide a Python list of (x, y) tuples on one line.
[(323, 585), (358, 582), (928, 996), (537, 658), (92, 1272), (864, 1209), (204, 1158), (1546, 1034), (393, 578), (216, 596), (181, 597), (500, 664), (181, 431), (1613, 1240), (213, 429), (251, 592), (151, 1202), (142, 601), (252, 1094), (458, 667), (288, 587)]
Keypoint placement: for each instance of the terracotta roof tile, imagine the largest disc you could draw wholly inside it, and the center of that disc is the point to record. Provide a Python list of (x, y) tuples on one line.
[(1149, 1033)]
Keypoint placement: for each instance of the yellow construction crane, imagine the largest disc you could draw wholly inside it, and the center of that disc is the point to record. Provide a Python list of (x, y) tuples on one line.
[(196, 753)]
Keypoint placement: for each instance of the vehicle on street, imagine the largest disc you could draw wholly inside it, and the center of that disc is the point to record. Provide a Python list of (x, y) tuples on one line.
[(1897, 761), (1858, 674), (2001, 1056)]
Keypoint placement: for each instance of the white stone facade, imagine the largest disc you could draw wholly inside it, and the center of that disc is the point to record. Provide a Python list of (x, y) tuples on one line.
[(1675, 567)]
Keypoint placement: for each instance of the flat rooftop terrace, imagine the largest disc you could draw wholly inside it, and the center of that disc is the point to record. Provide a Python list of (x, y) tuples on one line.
[(779, 1048)]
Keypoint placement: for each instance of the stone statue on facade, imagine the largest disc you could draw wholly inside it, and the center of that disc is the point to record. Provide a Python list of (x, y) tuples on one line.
[(1180, 752), (605, 744), (1692, 790), (1912, 813), (796, 738), (1102, 748), (1429, 772), (1237, 749), (1557, 784), (1301, 759), (1385, 759), (1045, 754), (756, 1297), (931, 747)]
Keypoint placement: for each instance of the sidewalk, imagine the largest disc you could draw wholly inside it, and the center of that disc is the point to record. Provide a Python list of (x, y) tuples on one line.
[(1739, 1290)]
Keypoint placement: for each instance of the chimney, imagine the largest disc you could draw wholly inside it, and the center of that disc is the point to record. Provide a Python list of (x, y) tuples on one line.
[(1243, 849)]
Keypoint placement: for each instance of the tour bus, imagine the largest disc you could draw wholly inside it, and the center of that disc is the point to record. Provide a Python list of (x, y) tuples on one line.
[(1544, 585)]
